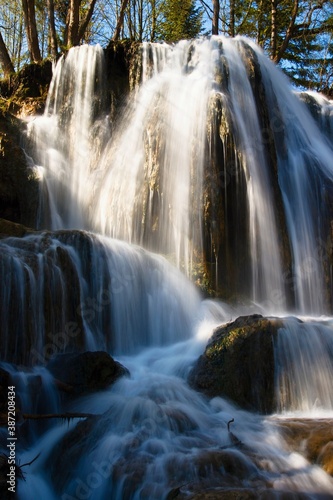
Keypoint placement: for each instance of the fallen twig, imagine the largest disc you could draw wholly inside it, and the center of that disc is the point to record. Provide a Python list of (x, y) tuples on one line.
[(63, 416)]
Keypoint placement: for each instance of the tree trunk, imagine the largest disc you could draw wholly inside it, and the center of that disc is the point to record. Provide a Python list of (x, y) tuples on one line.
[(279, 54), (18, 51), (5, 60), (154, 19), (31, 29), (273, 28), (120, 20), (73, 23), (53, 34), (140, 13), (87, 19), (232, 18), (259, 23), (216, 12)]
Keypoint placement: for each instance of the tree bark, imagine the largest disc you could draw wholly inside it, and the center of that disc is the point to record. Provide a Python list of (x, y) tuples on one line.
[(31, 30), (154, 19), (73, 23), (215, 21), (86, 20), (53, 34), (232, 18), (259, 23), (5, 60), (120, 20), (278, 55), (273, 28)]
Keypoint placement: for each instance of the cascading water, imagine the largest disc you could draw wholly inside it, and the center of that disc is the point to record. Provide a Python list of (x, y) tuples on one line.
[(265, 257), (90, 289), (150, 190), (207, 170), (152, 184), (304, 158), (303, 349), (68, 137)]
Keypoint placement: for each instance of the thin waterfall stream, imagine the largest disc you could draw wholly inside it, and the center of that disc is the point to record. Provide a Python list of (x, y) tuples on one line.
[(207, 199)]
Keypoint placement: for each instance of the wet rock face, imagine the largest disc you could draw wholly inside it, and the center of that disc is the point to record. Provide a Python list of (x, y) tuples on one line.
[(8, 228), (312, 438), (121, 67), (25, 94), (238, 363), (19, 186), (86, 372)]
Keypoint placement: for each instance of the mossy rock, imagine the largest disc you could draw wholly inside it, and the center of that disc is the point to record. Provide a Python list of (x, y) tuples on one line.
[(238, 363), (25, 93)]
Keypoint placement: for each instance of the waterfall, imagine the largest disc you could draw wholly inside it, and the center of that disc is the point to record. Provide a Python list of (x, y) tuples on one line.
[(68, 137), (194, 138), (214, 172), (74, 290), (304, 162), (304, 365), (265, 257), (150, 189), (321, 109)]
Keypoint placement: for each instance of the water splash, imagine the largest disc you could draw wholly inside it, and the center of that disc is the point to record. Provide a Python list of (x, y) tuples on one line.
[(153, 434)]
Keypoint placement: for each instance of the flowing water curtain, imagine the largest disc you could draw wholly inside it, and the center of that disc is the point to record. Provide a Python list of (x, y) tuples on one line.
[(153, 191), (154, 433), (68, 137), (147, 194), (321, 109), (305, 173), (287, 184), (246, 203), (71, 291), (263, 231), (42, 296), (304, 366)]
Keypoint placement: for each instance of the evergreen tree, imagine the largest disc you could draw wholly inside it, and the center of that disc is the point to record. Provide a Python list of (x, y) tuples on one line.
[(296, 34), (181, 20)]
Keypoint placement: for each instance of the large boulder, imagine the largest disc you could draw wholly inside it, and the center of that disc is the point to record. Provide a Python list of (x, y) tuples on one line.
[(238, 363), (86, 372)]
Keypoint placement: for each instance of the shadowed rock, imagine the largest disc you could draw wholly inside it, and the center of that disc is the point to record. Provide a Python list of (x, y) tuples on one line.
[(86, 372)]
